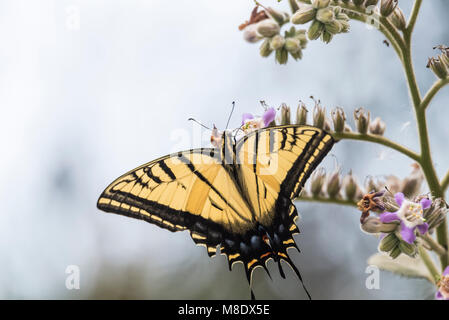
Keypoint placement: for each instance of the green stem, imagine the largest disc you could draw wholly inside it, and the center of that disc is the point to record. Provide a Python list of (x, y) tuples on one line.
[(339, 201), (433, 91), (433, 244), (425, 158), (413, 17), (432, 179), (410, 76), (376, 139), (429, 263), (445, 182)]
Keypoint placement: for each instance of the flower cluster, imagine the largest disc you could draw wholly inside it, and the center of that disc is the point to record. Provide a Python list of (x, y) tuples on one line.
[(266, 24), (440, 64), (327, 20), (400, 222)]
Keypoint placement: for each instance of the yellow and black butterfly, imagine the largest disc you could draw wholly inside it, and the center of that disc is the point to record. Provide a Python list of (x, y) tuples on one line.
[(238, 196)]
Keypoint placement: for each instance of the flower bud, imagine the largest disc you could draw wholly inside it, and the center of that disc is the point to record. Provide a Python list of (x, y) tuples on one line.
[(293, 5), (325, 15), (362, 120), (345, 26), (389, 203), (393, 184), (319, 4), (301, 36), (341, 16), (387, 7), (436, 213), (250, 34), (398, 19), (396, 252), (319, 115), (279, 17), (265, 49), (347, 128), (281, 56), (304, 15), (268, 28), (371, 225), (408, 248), (411, 185), (292, 45), (438, 68), (317, 181), (350, 186), (333, 27), (374, 225), (301, 114), (315, 30), (389, 242), (338, 118), (277, 42), (285, 114), (327, 125), (444, 58), (377, 127), (296, 55), (334, 184), (370, 184)]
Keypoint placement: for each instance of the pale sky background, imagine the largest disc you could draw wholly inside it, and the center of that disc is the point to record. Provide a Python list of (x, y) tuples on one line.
[(82, 104)]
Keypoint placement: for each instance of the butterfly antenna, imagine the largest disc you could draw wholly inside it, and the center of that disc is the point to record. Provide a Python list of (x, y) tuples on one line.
[(230, 115), (191, 119)]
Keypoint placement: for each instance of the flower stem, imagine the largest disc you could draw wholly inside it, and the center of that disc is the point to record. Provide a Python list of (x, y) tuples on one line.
[(445, 182), (433, 91), (339, 201), (426, 161), (376, 139), (413, 17), (429, 263), (436, 247)]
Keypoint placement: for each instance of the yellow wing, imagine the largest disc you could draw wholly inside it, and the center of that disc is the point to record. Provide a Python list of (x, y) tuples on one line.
[(275, 162), (187, 190)]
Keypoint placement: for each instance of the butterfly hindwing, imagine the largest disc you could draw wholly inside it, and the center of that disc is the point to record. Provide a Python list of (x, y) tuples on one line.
[(274, 163)]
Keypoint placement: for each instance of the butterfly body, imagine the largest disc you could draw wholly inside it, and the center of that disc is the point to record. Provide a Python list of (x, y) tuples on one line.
[(237, 197)]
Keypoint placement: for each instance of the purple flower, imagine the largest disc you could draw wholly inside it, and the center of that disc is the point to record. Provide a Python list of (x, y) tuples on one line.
[(409, 215), (251, 123), (443, 286)]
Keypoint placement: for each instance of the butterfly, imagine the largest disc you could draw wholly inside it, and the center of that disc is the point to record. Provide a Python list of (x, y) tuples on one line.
[(237, 196)]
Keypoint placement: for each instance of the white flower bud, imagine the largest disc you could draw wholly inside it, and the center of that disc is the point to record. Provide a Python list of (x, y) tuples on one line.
[(277, 42), (325, 15), (250, 34), (268, 28), (304, 15), (292, 45)]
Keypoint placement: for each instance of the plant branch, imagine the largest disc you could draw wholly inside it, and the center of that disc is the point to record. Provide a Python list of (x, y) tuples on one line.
[(413, 17), (321, 199), (429, 263), (376, 139), (433, 91), (434, 245), (445, 182)]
